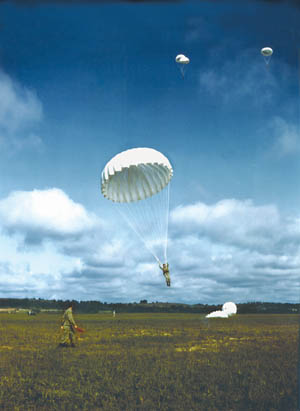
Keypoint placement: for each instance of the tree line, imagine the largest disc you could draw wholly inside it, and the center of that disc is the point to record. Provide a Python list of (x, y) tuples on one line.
[(91, 307)]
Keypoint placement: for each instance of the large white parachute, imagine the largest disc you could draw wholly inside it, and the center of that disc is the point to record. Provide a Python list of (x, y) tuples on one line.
[(137, 182)]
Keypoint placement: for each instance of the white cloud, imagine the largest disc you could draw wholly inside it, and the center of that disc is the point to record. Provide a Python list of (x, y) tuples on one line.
[(20, 110), (19, 278), (230, 250), (287, 140), (234, 250), (229, 221), (108, 252), (40, 214)]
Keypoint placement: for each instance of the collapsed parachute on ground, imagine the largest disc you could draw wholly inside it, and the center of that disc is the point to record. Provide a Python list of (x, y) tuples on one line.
[(230, 308), (267, 53), (182, 62), (217, 314), (137, 182)]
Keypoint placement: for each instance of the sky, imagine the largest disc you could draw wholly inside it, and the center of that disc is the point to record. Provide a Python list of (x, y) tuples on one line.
[(80, 83)]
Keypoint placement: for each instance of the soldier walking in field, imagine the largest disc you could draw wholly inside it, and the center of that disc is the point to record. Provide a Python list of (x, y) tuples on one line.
[(68, 325)]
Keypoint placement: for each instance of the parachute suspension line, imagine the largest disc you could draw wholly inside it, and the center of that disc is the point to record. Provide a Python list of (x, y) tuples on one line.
[(158, 212), (167, 222), (267, 60), (151, 213), (157, 215), (137, 233), (163, 213), (182, 70), (140, 214), (148, 219)]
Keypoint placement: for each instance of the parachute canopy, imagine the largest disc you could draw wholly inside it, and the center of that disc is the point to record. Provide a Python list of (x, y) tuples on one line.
[(135, 174), (230, 308), (181, 58), (266, 51), (217, 314)]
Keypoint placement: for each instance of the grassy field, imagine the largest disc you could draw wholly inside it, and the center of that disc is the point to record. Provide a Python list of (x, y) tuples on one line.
[(150, 362)]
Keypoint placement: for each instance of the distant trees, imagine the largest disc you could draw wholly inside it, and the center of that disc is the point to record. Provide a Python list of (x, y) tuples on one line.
[(90, 307)]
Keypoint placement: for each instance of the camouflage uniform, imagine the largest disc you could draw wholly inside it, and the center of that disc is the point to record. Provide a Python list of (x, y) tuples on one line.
[(68, 325), (166, 273)]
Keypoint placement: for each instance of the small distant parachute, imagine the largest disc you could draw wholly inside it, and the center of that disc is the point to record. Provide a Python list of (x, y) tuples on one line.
[(217, 314), (229, 308), (267, 53), (182, 62)]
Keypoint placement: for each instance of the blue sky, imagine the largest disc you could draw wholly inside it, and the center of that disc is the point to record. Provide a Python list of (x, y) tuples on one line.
[(80, 83)]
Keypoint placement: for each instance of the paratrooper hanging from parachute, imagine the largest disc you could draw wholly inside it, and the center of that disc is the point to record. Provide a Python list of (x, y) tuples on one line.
[(137, 182)]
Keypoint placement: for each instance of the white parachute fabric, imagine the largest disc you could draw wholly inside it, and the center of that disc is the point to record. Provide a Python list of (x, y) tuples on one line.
[(267, 53), (230, 308), (149, 220), (137, 182), (135, 175), (182, 61), (217, 314)]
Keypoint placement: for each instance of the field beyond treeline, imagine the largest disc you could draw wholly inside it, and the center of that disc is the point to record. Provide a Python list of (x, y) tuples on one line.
[(150, 362)]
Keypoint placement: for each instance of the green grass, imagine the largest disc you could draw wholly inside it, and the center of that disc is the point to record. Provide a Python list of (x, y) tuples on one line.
[(150, 362)]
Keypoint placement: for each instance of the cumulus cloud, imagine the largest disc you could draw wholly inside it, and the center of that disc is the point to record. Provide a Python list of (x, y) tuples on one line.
[(287, 138), (235, 249), (229, 250), (42, 214), (19, 280), (108, 254), (20, 110), (230, 221), (77, 251)]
